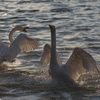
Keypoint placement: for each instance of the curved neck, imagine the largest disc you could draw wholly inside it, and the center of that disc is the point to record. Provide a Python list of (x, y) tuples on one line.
[(53, 60), (17, 28), (11, 34)]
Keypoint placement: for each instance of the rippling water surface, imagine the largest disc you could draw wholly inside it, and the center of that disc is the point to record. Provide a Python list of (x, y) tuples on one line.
[(78, 25)]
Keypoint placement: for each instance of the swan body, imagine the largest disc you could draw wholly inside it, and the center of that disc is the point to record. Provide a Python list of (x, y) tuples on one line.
[(22, 43), (46, 55), (79, 63)]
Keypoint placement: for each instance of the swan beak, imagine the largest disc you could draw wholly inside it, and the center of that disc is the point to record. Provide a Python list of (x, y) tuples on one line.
[(24, 30), (50, 26)]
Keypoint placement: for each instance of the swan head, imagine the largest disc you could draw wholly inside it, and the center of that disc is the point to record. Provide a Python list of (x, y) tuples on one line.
[(52, 28), (24, 30), (19, 28)]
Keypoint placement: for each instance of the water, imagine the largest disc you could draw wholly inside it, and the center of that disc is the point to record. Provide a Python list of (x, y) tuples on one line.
[(78, 25)]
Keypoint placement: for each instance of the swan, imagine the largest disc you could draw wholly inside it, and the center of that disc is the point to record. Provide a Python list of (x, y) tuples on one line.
[(78, 63), (22, 43), (46, 55)]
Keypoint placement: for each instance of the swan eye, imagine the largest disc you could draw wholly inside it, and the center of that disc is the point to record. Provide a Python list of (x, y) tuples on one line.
[(24, 30)]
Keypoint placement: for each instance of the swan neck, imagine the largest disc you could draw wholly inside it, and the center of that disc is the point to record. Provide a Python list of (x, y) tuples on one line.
[(18, 28), (11, 35), (53, 60)]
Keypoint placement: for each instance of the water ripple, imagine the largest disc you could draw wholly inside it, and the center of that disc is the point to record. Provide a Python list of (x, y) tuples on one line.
[(77, 25)]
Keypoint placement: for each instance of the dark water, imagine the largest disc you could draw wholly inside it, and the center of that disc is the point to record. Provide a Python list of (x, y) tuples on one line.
[(78, 25)]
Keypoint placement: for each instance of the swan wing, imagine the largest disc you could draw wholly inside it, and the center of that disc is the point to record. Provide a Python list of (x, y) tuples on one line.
[(88, 61), (46, 55), (80, 62), (22, 43)]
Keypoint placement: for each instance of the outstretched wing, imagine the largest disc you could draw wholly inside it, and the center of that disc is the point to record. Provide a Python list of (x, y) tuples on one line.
[(80, 62), (22, 43), (46, 55)]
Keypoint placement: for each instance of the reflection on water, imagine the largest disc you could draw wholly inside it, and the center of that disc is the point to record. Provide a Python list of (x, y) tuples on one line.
[(77, 24)]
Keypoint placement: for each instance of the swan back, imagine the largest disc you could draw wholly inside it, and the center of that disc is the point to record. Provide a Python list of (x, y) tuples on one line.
[(1, 44), (3, 48), (17, 28), (3, 51)]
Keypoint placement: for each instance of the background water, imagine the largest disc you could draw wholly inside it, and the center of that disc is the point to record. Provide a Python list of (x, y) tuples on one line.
[(78, 25)]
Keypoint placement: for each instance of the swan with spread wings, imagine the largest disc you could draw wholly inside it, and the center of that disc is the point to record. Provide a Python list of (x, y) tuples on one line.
[(22, 43), (78, 63)]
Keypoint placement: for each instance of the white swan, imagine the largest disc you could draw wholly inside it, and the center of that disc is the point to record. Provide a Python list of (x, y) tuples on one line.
[(79, 62), (22, 43), (46, 55)]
